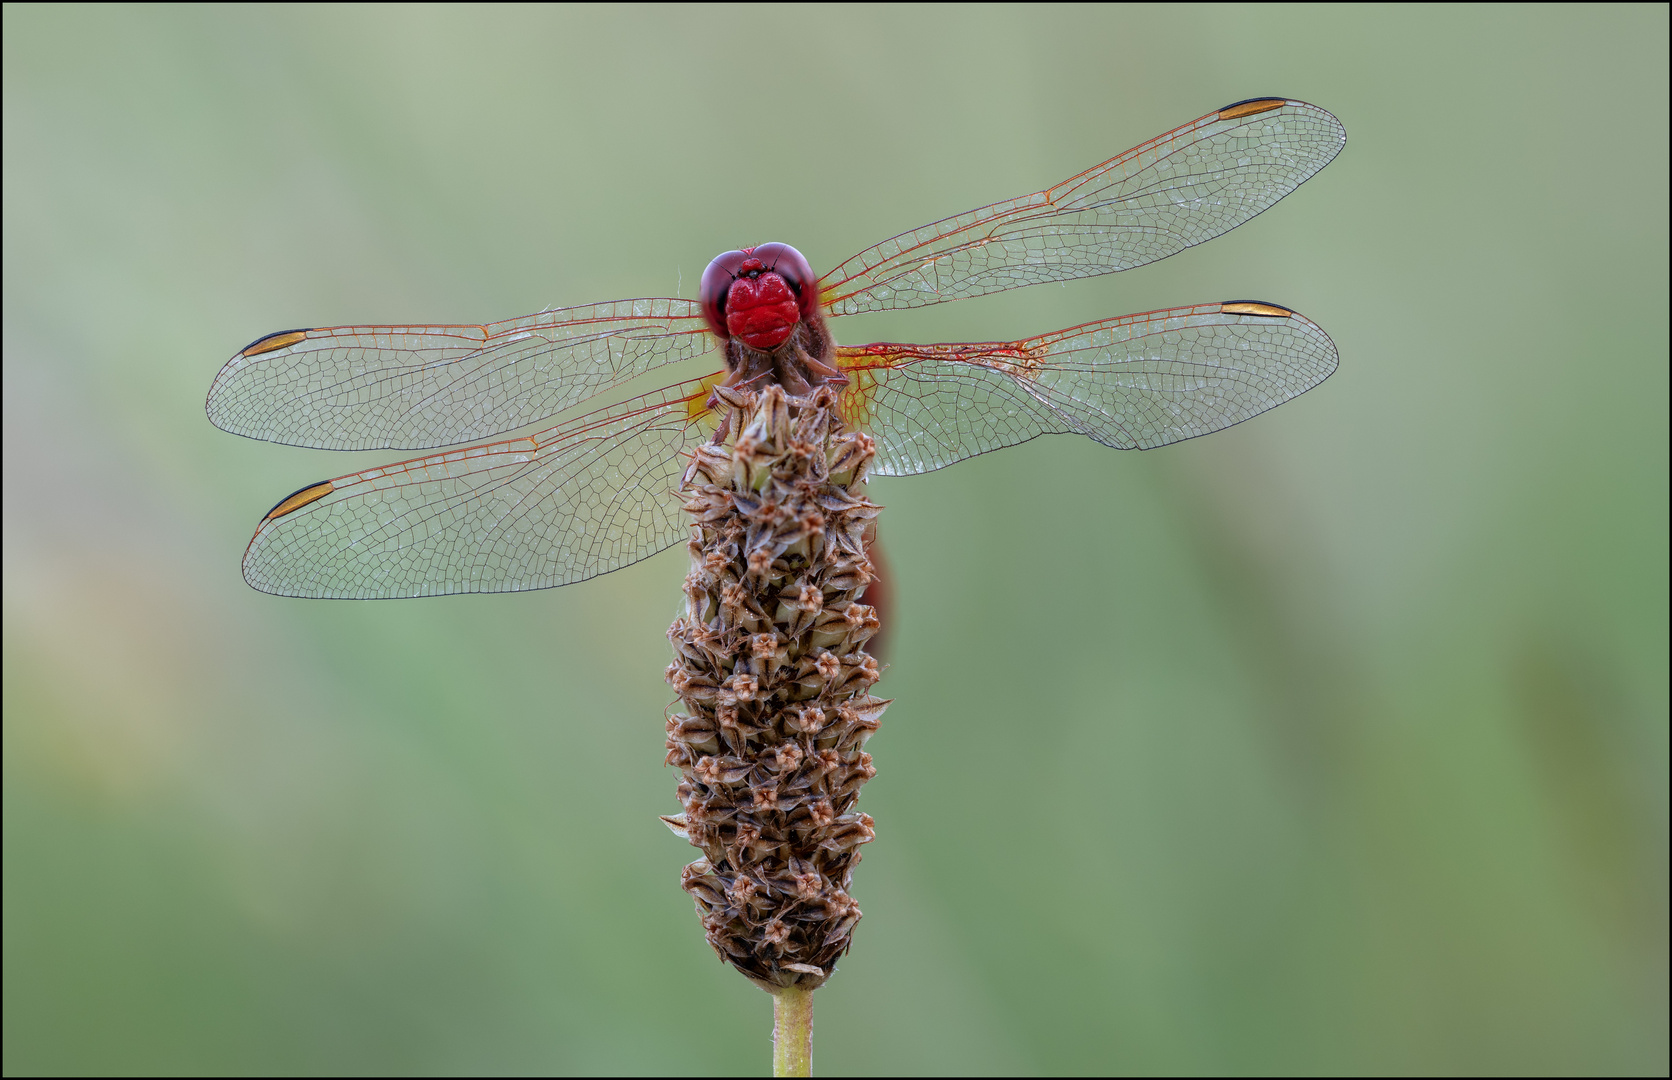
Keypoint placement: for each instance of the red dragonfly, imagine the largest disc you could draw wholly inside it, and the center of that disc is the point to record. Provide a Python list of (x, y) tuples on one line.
[(599, 491)]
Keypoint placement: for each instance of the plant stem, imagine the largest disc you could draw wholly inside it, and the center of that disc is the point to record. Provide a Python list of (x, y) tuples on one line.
[(792, 1032)]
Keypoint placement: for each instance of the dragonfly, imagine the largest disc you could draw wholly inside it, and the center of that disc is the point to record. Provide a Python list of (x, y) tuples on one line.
[(497, 511)]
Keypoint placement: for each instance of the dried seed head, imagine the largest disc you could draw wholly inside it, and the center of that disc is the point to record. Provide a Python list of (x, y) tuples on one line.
[(769, 661)]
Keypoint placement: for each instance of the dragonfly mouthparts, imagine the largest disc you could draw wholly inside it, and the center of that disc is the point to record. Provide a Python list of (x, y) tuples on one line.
[(761, 311)]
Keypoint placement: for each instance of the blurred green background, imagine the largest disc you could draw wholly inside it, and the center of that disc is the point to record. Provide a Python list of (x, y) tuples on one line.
[(1336, 741)]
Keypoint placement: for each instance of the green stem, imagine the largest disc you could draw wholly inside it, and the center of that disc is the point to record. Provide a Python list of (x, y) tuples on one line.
[(792, 1032)]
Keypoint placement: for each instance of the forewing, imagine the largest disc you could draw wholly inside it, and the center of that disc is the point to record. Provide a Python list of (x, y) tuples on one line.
[(1136, 382), (415, 387), (1173, 192), (554, 508)]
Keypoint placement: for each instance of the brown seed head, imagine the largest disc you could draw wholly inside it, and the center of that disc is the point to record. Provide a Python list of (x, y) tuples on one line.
[(770, 667)]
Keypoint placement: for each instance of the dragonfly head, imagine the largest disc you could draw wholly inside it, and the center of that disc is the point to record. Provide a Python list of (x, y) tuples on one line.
[(758, 294)]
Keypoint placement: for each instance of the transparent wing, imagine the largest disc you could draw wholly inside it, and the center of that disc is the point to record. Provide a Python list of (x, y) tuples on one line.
[(415, 387), (553, 508), (1173, 192), (1135, 382)]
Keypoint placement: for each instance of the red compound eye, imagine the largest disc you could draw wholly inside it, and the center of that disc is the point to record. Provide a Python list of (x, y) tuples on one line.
[(716, 283), (751, 264)]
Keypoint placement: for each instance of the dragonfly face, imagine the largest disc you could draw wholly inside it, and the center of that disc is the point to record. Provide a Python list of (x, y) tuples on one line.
[(757, 294), (598, 492)]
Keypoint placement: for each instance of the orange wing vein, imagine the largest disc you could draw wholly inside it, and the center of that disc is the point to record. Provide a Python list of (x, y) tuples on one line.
[(1175, 191), (555, 507), (1135, 382), (416, 387)]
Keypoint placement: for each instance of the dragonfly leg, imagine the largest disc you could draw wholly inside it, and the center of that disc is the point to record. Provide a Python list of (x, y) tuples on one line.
[(833, 377)]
